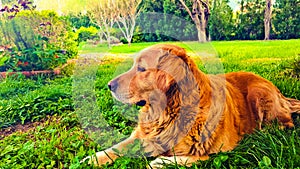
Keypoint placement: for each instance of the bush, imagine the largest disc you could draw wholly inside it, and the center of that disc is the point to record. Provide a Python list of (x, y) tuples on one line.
[(123, 40), (36, 41), (296, 68), (85, 33), (80, 20)]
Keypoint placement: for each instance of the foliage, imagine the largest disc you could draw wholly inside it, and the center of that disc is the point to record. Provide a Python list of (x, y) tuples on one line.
[(33, 105), (12, 11), (221, 24), (270, 148), (59, 141), (116, 114), (12, 86), (152, 6), (244, 24), (36, 41), (250, 21), (103, 14), (68, 69), (85, 33), (126, 12), (224, 24), (168, 23), (80, 20), (287, 19), (294, 70)]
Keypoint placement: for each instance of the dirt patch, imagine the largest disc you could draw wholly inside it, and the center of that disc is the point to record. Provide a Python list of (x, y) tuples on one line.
[(18, 128), (23, 128)]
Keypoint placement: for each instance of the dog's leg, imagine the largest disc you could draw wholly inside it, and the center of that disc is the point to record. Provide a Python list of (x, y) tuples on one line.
[(109, 155), (179, 160), (255, 108), (268, 106)]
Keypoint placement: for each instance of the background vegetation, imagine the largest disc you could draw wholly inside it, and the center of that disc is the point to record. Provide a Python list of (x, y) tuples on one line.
[(242, 21), (58, 141), (32, 40), (42, 123)]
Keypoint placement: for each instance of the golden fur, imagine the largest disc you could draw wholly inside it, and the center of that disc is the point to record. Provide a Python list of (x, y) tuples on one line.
[(189, 114)]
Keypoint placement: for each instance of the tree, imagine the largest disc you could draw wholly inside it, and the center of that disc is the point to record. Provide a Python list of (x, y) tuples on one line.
[(221, 21), (250, 24), (267, 19), (286, 21), (102, 12), (126, 14), (164, 20), (199, 12), (80, 20)]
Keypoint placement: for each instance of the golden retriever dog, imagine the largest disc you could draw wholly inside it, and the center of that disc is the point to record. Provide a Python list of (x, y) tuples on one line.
[(186, 114)]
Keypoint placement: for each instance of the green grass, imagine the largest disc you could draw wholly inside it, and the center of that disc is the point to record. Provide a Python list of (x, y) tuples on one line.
[(59, 141), (32, 104), (241, 49), (102, 48)]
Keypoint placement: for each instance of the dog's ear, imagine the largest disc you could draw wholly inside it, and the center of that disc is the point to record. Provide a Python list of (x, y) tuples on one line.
[(177, 69), (180, 73), (173, 65), (164, 80)]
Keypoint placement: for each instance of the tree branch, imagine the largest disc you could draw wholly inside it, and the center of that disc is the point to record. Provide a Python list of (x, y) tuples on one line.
[(186, 8)]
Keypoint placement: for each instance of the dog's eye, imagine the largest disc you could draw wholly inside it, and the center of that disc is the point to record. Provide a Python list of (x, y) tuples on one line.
[(141, 69)]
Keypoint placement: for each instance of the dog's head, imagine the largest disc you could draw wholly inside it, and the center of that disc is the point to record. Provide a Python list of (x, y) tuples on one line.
[(156, 71)]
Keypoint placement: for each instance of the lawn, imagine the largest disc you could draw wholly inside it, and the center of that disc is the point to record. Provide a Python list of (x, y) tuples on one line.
[(62, 119)]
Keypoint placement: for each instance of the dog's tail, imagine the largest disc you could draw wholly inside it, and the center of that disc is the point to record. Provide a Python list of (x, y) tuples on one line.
[(294, 105)]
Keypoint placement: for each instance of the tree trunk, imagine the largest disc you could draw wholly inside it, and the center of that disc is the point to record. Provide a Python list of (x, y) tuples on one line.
[(201, 33), (203, 25), (267, 19), (200, 15), (108, 40), (200, 22), (100, 34)]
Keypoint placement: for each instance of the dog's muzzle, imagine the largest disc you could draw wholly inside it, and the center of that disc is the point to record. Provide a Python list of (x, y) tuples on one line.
[(113, 85), (141, 103)]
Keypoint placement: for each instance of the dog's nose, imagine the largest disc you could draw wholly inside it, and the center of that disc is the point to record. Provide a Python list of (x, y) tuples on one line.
[(113, 85)]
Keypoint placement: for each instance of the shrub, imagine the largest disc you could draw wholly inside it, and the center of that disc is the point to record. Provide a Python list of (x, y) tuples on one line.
[(80, 20), (296, 68), (85, 33), (36, 41)]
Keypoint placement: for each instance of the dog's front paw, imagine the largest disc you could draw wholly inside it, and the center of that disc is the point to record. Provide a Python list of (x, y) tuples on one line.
[(159, 163), (98, 160), (156, 164)]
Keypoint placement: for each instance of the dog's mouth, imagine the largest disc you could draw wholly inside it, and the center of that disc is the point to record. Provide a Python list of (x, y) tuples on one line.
[(121, 97), (141, 103), (125, 98)]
